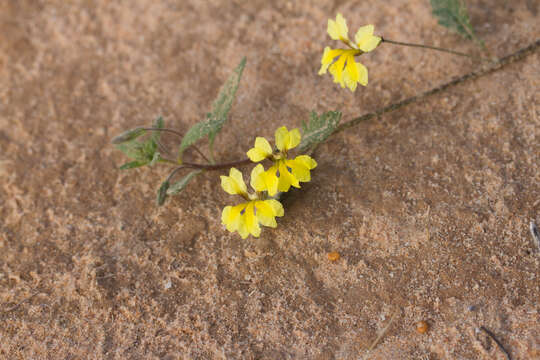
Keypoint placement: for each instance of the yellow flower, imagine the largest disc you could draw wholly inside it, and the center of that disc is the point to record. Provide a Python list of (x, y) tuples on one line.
[(340, 62), (285, 172), (246, 217)]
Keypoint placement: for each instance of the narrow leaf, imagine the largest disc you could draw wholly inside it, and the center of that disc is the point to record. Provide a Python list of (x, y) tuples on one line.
[(453, 15), (215, 119), (128, 135), (156, 135), (132, 165), (156, 157), (133, 150), (180, 185), (318, 129), (162, 192)]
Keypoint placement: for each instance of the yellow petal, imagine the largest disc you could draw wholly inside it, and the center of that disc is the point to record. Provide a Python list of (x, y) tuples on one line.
[(338, 29), (250, 220), (286, 178), (363, 74), (364, 33), (351, 69), (234, 183), (336, 69), (261, 151), (265, 214), (294, 139), (370, 43), (282, 137), (301, 167), (276, 206), (257, 178), (271, 180), (231, 216), (328, 57), (307, 161)]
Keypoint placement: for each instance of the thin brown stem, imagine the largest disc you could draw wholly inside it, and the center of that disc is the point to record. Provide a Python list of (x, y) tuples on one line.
[(172, 131), (436, 48), (518, 55), (218, 166)]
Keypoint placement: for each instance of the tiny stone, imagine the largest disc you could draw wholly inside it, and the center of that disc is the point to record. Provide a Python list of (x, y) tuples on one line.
[(422, 327), (333, 256)]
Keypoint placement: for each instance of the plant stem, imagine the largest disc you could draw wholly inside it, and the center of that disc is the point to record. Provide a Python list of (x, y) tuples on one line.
[(218, 166), (172, 131), (518, 55), (435, 48), (177, 169)]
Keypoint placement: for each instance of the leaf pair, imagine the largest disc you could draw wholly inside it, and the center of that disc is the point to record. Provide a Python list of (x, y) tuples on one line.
[(142, 152)]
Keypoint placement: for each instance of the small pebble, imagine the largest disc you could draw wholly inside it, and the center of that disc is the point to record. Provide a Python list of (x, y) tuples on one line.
[(333, 256), (422, 327)]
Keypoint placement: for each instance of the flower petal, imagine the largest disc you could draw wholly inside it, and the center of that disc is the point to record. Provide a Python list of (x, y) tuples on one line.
[(363, 73), (276, 206), (231, 216), (328, 57), (250, 219), (265, 214), (271, 180), (351, 73), (286, 178), (338, 29), (370, 44), (364, 33), (234, 183), (282, 138), (261, 151), (336, 69), (294, 139), (307, 161)]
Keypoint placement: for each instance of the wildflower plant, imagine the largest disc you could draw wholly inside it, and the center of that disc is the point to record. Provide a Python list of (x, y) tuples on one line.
[(289, 158)]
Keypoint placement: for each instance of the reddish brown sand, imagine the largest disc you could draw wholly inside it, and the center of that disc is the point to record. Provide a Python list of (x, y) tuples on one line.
[(428, 206)]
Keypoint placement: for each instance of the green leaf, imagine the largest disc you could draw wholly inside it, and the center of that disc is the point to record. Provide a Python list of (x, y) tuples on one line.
[(215, 119), (143, 152), (132, 165), (453, 15), (155, 158), (318, 129), (128, 135), (162, 192), (156, 135), (178, 186)]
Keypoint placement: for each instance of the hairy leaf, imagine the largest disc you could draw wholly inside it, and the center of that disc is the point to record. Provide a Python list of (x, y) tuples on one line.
[(143, 152), (215, 119), (162, 192), (180, 185), (453, 15), (318, 129), (128, 135), (132, 165)]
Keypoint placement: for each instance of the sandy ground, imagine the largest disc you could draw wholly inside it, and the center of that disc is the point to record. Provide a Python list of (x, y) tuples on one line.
[(429, 206)]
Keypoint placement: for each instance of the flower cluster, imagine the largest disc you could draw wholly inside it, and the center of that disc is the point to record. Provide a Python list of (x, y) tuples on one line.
[(260, 208), (340, 62)]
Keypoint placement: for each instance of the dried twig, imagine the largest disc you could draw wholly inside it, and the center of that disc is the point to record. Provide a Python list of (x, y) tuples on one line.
[(491, 335), (535, 234), (14, 307), (383, 331)]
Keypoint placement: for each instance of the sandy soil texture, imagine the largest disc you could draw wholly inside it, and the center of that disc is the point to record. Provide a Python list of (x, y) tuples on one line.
[(428, 206)]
